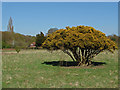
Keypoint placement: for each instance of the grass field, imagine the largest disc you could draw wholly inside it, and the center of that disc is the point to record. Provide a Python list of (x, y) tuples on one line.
[(0, 75), (39, 69)]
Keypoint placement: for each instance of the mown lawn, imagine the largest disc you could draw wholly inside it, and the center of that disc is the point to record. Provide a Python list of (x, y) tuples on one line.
[(28, 70)]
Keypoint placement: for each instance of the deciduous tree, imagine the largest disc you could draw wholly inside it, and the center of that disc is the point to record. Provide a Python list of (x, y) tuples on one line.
[(51, 30)]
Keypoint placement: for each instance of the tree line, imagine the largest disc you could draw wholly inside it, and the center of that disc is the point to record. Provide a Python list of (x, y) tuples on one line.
[(10, 39), (20, 40)]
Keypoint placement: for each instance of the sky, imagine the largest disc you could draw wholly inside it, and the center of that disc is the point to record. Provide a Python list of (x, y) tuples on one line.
[(60, 0), (29, 18)]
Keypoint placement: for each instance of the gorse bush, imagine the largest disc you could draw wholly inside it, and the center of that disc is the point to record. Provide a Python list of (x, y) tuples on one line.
[(81, 43)]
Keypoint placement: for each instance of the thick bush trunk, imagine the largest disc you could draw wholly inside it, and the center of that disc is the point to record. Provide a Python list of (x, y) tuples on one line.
[(82, 56)]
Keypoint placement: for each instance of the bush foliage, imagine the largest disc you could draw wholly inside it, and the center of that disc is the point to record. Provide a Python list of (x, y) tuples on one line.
[(81, 43), (17, 49)]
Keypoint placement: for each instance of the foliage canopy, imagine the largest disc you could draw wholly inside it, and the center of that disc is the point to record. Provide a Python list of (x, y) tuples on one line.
[(40, 38), (81, 43)]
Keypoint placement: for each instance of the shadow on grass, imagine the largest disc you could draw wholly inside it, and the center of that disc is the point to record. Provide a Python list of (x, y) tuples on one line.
[(70, 63)]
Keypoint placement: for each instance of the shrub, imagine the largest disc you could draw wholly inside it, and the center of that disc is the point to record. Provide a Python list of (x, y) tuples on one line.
[(17, 49), (81, 43)]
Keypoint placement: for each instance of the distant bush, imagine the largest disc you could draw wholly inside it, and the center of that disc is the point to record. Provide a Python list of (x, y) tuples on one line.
[(114, 38), (51, 30), (17, 49), (5, 45)]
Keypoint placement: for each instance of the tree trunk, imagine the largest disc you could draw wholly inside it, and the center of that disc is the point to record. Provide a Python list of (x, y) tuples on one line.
[(76, 56), (66, 51), (82, 56)]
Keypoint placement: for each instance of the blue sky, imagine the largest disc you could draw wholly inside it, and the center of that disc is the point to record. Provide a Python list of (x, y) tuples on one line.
[(60, 0), (30, 18)]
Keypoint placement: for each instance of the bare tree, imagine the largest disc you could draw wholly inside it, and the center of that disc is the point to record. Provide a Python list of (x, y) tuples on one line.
[(10, 25)]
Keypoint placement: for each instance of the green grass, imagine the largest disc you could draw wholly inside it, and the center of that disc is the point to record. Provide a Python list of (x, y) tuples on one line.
[(0, 69), (25, 70)]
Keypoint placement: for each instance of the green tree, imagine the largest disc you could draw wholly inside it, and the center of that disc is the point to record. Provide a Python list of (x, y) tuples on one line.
[(40, 38), (114, 38), (81, 43), (5, 45)]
